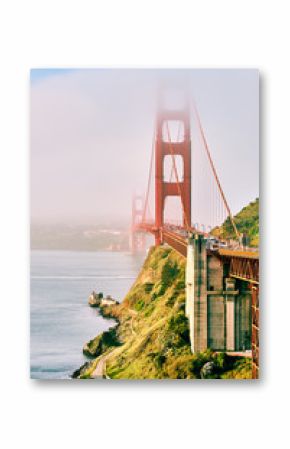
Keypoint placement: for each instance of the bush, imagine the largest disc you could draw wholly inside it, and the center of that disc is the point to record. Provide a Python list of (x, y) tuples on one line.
[(220, 360), (169, 273), (109, 338), (178, 324), (181, 367), (176, 332), (171, 300), (101, 343), (139, 305), (242, 369), (148, 287), (159, 360), (198, 361), (180, 285), (149, 309), (160, 290)]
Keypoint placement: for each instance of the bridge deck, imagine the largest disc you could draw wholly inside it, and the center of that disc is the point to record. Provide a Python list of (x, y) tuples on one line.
[(244, 264), (246, 254)]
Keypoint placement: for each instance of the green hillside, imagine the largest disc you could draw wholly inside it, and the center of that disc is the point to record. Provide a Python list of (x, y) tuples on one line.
[(247, 222), (151, 340)]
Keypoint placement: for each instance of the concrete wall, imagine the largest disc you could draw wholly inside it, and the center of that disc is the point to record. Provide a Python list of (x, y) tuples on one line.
[(215, 273), (216, 322), (218, 308), (243, 328)]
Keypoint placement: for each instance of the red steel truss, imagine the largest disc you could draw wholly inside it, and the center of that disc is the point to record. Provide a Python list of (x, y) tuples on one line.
[(255, 331)]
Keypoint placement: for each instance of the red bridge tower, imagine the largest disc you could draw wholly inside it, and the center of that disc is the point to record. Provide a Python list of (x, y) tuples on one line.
[(165, 145), (137, 237)]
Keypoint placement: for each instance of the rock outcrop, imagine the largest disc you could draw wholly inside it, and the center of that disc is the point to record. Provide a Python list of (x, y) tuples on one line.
[(95, 299)]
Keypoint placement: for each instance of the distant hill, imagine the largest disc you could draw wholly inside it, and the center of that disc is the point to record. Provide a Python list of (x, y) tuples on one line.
[(247, 222), (79, 238)]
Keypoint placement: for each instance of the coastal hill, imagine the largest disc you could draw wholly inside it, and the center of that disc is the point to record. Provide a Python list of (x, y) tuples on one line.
[(80, 237), (151, 339), (247, 222)]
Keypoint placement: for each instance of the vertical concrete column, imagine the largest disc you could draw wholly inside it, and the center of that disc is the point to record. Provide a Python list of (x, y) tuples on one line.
[(200, 302), (189, 282), (230, 315), (196, 292), (230, 323)]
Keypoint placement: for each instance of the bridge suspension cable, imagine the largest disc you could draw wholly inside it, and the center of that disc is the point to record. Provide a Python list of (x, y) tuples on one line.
[(146, 205), (206, 147)]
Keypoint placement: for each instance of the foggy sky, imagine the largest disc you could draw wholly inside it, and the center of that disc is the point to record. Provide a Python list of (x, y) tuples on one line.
[(91, 137)]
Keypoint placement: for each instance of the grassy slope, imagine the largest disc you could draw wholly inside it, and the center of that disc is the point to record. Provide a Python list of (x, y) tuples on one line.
[(247, 221), (153, 329)]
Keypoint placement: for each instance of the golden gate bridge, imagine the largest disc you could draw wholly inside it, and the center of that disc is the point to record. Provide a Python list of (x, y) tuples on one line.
[(171, 173)]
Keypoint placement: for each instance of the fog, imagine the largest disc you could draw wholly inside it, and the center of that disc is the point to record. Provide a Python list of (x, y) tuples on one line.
[(91, 137)]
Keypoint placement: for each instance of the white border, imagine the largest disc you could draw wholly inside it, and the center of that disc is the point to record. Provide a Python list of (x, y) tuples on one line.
[(131, 33)]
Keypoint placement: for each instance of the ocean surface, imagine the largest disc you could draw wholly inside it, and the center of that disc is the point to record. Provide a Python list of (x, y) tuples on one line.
[(61, 321)]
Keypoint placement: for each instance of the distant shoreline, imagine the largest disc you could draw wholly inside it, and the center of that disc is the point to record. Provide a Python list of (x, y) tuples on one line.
[(82, 250)]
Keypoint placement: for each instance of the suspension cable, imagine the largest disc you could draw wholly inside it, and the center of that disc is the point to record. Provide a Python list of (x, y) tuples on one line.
[(214, 170), (149, 177)]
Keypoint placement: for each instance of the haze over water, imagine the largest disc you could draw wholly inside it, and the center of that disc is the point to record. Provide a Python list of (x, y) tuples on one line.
[(92, 131), (61, 320)]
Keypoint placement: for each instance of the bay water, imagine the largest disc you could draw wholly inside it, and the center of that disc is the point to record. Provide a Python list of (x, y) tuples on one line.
[(61, 321)]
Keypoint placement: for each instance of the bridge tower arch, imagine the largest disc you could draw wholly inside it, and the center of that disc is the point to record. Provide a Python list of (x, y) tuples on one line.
[(137, 237), (166, 146)]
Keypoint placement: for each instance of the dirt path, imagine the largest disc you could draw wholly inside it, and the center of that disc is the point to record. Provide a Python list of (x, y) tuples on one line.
[(98, 373), (133, 314)]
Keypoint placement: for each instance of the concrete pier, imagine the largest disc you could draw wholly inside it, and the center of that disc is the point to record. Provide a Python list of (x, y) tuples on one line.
[(217, 306), (196, 297)]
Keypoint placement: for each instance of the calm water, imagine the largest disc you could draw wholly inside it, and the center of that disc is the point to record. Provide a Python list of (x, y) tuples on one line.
[(61, 320)]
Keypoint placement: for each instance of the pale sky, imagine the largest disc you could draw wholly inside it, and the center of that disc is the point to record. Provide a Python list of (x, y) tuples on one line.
[(91, 137)]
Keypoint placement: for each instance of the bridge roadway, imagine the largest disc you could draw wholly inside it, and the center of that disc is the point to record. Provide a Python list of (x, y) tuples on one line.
[(244, 263)]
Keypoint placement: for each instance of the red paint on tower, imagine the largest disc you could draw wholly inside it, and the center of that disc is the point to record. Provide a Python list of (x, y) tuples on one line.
[(179, 188)]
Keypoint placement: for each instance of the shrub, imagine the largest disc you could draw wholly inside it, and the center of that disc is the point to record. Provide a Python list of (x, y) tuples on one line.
[(181, 367), (220, 360), (149, 309), (159, 360), (101, 343), (176, 332), (109, 338), (160, 290), (169, 273), (198, 361), (148, 287), (139, 305), (171, 300), (178, 324), (180, 285)]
